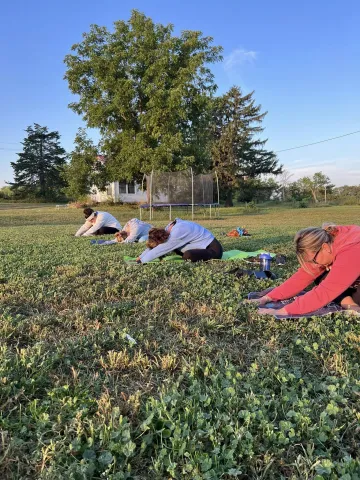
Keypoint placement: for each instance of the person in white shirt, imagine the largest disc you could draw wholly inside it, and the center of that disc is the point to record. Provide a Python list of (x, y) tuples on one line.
[(188, 239), (98, 223), (135, 230)]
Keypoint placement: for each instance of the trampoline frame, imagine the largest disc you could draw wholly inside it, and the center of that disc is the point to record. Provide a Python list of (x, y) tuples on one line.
[(213, 208), (152, 205)]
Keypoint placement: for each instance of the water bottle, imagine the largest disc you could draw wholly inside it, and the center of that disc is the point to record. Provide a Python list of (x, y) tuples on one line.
[(265, 261)]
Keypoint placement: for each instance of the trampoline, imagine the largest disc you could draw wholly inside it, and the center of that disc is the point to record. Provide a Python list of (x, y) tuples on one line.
[(181, 190), (213, 208)]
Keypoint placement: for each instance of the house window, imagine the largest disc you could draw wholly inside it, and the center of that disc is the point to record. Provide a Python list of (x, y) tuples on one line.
[(131, 187), (122, 187)]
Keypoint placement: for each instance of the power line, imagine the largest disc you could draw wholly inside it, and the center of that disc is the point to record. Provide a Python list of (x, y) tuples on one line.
[(11, 143), (9, 149), (315, 143)]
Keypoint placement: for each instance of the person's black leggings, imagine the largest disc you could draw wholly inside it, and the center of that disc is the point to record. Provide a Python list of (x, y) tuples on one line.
[(213, 251), (353, 291), (106, 231)]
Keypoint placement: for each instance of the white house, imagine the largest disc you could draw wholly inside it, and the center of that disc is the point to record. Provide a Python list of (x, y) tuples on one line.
[(165, 188), (120, 192)]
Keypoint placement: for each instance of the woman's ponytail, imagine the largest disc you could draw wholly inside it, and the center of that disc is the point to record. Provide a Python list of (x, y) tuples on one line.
[(330, 228)]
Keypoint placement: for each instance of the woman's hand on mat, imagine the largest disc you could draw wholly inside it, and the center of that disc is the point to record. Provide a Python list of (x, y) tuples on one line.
[(261, 301), (272, 311)]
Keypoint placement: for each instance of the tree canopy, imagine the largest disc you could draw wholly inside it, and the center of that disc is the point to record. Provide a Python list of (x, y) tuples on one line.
[(147, 91)]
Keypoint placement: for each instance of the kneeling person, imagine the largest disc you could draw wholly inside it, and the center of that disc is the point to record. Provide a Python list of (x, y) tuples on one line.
[(135, 230), (188, 239), (329, 257), (98, 223)]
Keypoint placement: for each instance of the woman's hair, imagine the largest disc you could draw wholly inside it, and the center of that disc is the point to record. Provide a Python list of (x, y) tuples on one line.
[(156, 237), (121, 236), (310, 239), (88, 212)]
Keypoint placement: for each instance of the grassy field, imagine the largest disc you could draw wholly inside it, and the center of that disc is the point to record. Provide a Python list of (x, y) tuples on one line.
[(210, 390)]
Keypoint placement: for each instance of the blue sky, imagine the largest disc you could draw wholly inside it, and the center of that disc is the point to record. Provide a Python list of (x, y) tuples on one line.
[(301, 58)]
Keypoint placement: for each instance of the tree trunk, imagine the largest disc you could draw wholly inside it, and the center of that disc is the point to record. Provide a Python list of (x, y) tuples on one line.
[(42, 181), (229, 199), (313, 192)]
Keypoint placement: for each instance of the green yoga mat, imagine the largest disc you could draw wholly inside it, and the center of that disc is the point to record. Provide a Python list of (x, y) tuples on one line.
[(230, 255), (238, 254)]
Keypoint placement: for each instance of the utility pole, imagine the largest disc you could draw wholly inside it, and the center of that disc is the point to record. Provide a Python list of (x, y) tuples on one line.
[(325, 193)]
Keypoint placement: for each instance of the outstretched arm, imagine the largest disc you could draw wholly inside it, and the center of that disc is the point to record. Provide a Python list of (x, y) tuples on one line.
[(100, 222), (84, 228), (297, 282), (344, 272), (173, 243)]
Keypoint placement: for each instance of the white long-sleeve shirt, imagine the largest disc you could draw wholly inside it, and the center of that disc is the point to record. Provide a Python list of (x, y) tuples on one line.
[(184, 236), (103, 219), (135, 229)]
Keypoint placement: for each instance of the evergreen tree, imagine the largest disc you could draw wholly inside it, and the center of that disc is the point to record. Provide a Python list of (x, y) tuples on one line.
[(148, 92), (38, 172), (237, 153)]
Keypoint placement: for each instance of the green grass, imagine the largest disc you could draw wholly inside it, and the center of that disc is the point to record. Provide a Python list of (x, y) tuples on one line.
[(210, 390)]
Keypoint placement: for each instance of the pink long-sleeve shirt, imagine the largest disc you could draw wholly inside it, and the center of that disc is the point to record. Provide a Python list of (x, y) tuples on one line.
[(345, 270)]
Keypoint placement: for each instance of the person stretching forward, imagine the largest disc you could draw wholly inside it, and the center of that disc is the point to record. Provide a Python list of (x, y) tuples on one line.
[(188, 239), (136, 231), (330, 257), (98, 223)]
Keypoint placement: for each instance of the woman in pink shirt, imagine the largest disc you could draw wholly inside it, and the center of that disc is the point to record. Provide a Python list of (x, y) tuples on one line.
[(330, 256)]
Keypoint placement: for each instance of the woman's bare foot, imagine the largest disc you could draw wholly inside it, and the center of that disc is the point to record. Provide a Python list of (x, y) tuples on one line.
[(348, 303)]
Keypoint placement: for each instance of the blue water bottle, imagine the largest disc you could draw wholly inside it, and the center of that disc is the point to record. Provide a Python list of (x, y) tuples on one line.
[(265, 261)]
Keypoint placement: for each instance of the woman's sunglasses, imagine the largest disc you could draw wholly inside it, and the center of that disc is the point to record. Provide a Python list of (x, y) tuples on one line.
[(315, 256)]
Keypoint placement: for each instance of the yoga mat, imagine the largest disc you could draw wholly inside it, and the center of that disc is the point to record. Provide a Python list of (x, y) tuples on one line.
[(230, 255), (321, 312), (239, 254), (168, 258)]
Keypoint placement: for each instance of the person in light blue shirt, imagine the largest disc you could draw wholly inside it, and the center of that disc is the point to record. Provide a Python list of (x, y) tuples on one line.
[(136, 230), (188, 239)]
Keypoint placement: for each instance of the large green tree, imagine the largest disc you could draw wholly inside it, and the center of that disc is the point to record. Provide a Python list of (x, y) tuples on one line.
[(38, 172), (147, 91), (237, 152)]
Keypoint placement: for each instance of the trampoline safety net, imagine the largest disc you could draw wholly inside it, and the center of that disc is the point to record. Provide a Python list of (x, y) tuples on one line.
[(180, 188)]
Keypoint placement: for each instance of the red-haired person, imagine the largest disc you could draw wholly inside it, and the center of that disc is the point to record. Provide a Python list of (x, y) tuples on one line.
[(188, 239)]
